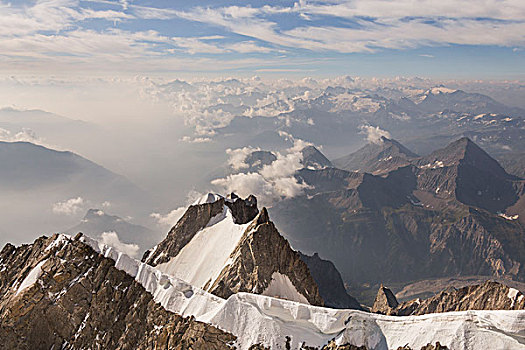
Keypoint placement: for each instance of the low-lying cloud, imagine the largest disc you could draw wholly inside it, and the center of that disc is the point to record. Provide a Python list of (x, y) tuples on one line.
[(70, 206), (374, 133), (111, 239)]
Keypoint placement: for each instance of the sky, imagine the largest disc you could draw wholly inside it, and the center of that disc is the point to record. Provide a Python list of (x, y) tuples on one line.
[(445, 38)]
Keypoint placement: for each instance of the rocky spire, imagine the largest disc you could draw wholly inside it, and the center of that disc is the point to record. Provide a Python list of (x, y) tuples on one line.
[(385, 301)]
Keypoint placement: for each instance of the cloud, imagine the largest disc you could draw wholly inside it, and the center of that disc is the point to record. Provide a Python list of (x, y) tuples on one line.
[(111, 239), (273, 181), (374, 133), (25, 135), (170, 218), (189, 139), (238, 156), (71, 206)]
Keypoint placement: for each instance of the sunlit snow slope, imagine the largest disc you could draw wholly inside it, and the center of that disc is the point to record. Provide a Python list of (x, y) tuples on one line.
[(262, 319)]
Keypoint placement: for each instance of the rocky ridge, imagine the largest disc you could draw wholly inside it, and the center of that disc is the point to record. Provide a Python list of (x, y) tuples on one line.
[(61, 294), (260, 257), (487, 296)]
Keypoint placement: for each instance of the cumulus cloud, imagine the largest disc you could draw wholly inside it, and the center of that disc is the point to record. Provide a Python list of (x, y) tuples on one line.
[(374, 133), (273, 181), (237, 157), (70, 206), (25, 135), (111, 239)]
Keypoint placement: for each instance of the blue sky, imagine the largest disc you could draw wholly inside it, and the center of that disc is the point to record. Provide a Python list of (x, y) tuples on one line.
[(444, 38)]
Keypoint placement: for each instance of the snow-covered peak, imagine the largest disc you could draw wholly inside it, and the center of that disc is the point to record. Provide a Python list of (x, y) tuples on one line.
[(205, 256), (208, 198), (439, 90)]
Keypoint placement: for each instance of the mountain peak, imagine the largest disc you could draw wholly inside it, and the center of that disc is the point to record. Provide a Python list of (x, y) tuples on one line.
[(229, 246), (313, 158), (377, 158), (385, 301)]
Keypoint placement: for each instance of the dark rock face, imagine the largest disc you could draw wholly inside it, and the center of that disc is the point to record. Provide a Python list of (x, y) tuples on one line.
[(474, 178), (331, 286), (314, 159), (257, 159), (243, 210), (196, 218), (81, 300), (261, 252), (385, 301), (486, 296)]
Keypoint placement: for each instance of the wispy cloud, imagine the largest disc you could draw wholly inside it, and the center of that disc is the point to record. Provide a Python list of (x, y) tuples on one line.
[(61, 32)]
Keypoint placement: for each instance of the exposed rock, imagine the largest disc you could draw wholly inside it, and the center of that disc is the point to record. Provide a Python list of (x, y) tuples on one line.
[(377, 158), (261, 252), (80, 300), (331, 287), (196, 218), (447, 214), (314, 159), (385, 301), (487, 296)]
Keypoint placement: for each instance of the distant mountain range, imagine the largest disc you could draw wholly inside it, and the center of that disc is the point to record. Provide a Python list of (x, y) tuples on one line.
[(96, 222), (455, 212)]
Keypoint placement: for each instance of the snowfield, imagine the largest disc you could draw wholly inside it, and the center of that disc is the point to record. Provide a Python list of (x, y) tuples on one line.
[(205, 256), (267, 320)]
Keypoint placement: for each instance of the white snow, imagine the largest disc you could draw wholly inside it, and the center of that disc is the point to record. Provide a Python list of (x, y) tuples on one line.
[(512, 295), (281, 287), (31, 277), (61, 239), (262, 319), (437, 164), (208, 198), (206, 255), (441, 90), (509, 217)]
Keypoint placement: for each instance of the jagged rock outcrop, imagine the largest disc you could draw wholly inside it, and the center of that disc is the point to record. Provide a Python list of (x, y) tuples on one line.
[(333, 346), (64, 295), (232, 247), (331, 286), (429, 346), (385, 301), (487, 296), (261, 253), (195, 218)]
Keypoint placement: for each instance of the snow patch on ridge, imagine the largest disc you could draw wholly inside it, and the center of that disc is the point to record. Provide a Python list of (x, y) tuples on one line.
[(205, 256), (208, 198), (266, 320), (512, 295), (31, 277), (282, 287)]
